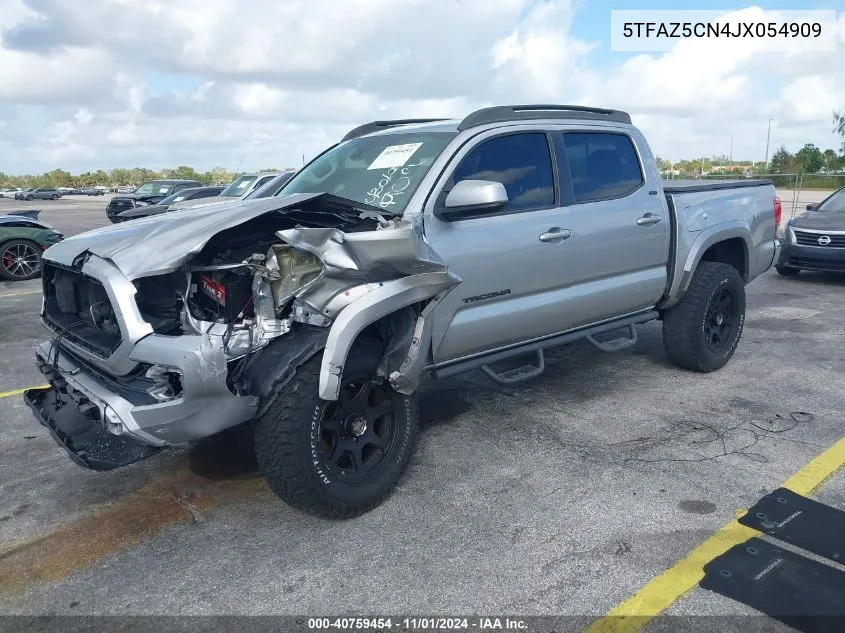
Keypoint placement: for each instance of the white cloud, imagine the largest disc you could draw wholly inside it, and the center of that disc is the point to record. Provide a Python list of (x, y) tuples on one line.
[(272, 81)]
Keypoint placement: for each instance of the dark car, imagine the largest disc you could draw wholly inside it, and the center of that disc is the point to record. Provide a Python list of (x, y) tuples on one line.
[(193, 193), (41, 193), (92, 191), (270, 188), (151, 192), (815, 240), (22, 240)]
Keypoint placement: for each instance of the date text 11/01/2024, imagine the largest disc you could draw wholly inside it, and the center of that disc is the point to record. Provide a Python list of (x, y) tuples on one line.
[(417, 624)]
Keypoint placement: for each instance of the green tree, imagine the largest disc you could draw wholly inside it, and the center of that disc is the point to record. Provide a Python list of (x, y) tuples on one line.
[(120, 176), (58, 178), (809, 159), (831, 160), (782, 161)]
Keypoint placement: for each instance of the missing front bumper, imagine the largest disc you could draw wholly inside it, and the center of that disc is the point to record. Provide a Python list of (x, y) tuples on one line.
[(82, 433)]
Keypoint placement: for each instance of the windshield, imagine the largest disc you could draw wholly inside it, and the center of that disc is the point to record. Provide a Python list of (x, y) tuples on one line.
[(152, 188), (175, 197), (834, 204), (238, 186), (382, 171)]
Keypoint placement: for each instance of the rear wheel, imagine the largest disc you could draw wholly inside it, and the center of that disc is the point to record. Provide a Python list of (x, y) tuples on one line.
[(787, 272), (702, 331), (54, 197), (337, 459), (19, 260), (30, 197)]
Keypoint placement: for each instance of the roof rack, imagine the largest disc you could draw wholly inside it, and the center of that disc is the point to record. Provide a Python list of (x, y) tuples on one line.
[(498, 114), (375, 126)]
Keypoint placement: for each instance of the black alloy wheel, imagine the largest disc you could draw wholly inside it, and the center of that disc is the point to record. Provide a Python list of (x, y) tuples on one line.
[(357, 431), (720, 322)]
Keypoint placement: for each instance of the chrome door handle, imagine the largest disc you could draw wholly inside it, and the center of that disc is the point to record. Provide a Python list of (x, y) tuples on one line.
[(648, 219), (556, 235)]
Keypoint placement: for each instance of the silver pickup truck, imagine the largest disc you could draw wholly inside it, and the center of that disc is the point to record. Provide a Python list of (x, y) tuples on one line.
[(410, 248)]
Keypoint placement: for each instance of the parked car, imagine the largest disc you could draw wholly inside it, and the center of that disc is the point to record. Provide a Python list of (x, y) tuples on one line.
[(169, 203), (151, 192), (815, 240), (22, 240), (238, 189), (411, 248), (8, 193), (41, 193), (270, 188), (92, 191)]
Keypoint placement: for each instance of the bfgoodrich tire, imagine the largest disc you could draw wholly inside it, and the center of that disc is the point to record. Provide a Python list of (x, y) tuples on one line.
[(702, 331), (337, 459)]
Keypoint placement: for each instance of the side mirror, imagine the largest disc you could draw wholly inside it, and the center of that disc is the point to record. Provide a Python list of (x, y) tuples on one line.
[(810, 207), (473, 198)]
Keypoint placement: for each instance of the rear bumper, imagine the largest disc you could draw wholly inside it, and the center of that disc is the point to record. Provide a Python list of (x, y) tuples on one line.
[(75, 424), (811, 258)]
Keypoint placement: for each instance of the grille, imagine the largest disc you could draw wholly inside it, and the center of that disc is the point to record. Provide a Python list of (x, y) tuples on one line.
[(118, 205), (802, 238), (78, 307)]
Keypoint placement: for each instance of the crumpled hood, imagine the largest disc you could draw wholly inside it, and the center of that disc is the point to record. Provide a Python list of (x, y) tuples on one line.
[(160, 244), (820, 221)]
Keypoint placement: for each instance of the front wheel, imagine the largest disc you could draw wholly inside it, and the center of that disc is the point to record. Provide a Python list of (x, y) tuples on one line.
[(54, 197), (30, 197), (702, 331), (337, 459), (787, 272)]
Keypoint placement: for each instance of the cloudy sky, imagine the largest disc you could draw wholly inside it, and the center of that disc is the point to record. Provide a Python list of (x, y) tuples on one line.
[(88, 84)]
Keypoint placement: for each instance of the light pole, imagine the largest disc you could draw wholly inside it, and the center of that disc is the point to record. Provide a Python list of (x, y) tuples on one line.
[(768, 135)]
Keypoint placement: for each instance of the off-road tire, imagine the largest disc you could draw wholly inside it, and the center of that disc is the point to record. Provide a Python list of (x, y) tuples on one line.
[(787, 272), (684, 323), (288, 443)]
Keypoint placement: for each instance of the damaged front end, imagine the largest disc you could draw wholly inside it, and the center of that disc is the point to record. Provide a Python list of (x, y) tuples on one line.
[(191, 343)]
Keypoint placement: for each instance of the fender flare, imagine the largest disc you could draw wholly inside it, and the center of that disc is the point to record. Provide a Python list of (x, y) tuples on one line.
[(705, 239), (368, 309)]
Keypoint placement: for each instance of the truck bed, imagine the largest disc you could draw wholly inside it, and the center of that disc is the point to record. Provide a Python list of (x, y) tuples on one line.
[(690, 186)]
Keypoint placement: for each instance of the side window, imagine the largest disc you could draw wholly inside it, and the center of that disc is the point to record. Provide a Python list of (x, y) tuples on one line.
[(602, 165), (521, 162)]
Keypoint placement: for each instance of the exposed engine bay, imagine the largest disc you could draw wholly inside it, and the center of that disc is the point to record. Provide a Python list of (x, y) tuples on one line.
[(249, 284), (239, 283)]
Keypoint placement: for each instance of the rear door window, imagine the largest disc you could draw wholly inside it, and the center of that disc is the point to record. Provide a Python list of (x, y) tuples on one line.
[(602, 165)]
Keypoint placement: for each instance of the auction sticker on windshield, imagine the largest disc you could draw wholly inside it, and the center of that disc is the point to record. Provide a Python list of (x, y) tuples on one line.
[(394, 156)]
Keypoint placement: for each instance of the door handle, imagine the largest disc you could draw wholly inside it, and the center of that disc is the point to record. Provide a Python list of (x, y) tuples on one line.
[(556, 235), (648, 219)]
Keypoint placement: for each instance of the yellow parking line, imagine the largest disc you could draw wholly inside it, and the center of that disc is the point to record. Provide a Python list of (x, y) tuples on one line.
[(17, 392), (636, 612), (20, 294)]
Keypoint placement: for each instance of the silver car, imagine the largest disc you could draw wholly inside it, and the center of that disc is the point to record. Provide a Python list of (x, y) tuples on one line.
[(41, 193), (240, 188)]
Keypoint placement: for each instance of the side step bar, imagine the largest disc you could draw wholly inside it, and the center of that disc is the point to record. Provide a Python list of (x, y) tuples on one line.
[(616, 344), (536, 347), (511, 376)]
